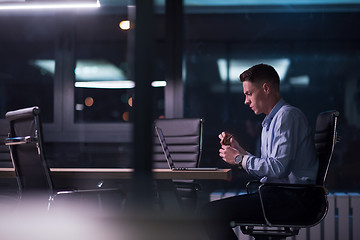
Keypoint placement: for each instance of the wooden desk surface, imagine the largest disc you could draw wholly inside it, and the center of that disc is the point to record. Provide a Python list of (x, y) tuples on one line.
[(126, 173)]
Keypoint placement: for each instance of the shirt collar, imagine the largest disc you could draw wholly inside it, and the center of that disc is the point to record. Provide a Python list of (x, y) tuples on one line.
[(266, 122)]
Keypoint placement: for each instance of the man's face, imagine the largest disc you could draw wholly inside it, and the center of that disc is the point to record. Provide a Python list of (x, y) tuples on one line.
[(255, 97)]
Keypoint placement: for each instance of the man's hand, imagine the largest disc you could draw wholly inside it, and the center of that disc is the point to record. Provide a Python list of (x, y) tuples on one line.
[(228, 139), (230, 148), (228, 153), (225, 138)]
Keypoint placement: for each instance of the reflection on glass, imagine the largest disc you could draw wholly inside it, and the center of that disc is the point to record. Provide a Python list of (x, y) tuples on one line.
[(98, 70), (237, 66), (103, 93), (45, 65)]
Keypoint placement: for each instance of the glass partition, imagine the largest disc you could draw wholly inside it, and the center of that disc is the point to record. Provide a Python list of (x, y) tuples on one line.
[(103, 90), (311, 47)]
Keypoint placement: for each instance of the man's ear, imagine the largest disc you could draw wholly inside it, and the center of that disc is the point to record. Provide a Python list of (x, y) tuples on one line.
[(266, 87)]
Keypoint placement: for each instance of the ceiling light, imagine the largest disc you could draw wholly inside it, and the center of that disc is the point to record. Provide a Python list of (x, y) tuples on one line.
[(105, 84), (98, 70), (265, 2), (94, 73), (125, 25), (158, 84), (34, 5), (123, 84)]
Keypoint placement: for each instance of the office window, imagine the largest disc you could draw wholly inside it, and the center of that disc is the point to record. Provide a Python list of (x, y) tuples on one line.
[(103, 89), (103, 81)]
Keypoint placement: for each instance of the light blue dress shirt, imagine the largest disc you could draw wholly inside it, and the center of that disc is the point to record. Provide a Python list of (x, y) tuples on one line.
[(287, 148)]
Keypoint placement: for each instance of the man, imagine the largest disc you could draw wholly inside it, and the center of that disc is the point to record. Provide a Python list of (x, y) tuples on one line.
[(287, 155)]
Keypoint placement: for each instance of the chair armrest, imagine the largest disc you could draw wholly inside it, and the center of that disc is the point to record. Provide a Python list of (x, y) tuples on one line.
[(307, 200), (19, 140), (97, 200), (253, 186)]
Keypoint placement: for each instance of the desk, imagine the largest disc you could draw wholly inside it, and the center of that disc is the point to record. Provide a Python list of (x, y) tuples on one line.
[(126, 173), (167, 189)]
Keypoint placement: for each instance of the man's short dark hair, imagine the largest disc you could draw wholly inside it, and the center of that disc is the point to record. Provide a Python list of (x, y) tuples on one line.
[(261, 73)]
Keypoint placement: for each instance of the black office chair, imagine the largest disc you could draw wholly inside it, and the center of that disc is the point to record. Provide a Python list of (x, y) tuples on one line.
[(27, 154), (5, 159), (279, 227), (184, 139), (8, 186)]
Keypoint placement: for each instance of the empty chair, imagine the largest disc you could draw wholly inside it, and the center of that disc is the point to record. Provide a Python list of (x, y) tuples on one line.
[(184, 139), (8, 186), (5, 159), (27, 153)]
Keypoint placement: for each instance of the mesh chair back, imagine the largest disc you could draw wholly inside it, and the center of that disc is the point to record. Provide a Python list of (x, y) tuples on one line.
[(325, 139), (184, 139), (25, 143)]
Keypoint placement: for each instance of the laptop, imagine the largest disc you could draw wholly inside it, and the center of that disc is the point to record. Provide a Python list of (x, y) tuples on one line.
[(169, 158)]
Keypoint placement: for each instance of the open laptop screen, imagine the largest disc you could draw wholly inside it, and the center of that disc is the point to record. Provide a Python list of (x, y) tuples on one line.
[(168, 155)]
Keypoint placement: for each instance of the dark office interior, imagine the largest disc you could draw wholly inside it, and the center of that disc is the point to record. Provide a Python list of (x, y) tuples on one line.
[(192, 52)]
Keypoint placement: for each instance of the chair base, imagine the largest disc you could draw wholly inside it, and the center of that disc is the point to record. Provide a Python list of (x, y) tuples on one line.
[(269, 233), (260, 237)]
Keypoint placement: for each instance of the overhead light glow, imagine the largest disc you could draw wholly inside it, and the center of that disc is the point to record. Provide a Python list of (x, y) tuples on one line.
[(105, 84), (222, 68), (123, 84), (300, 80), (94, 73), (50, 5), (237, 66), (98, 70), (47, 65), (158, 84), (265, 2)]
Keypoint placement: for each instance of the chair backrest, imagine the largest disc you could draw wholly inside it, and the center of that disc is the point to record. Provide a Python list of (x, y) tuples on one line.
[(184, 139), (325, 140), (26, 148)]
